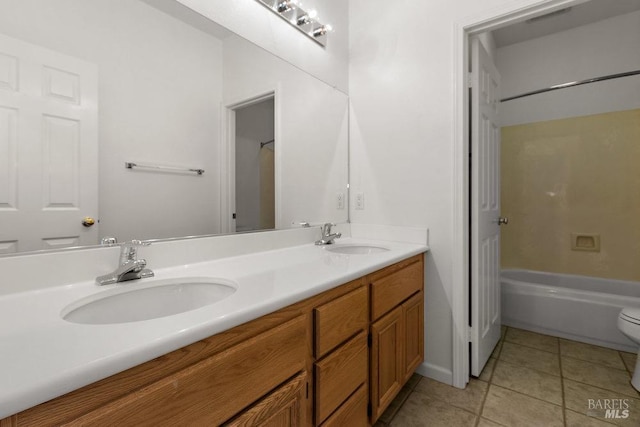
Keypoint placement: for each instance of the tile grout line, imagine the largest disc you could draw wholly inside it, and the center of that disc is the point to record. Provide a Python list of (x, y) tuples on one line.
[(491, 377), (564, 400), (624, 363), (598, 363), (602, 388), (524, 394), (489, 381), (404, 400), (530, 347)]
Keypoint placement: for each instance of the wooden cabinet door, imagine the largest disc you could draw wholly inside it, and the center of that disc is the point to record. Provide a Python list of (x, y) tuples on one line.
[(387, 370), (413, 315), (281, 408)]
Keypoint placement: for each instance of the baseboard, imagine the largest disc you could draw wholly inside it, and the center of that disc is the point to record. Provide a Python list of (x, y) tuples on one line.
[(434, 372)]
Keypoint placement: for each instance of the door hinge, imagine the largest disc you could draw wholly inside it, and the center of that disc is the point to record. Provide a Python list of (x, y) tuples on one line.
[(369, 340), (470, 79), (369, 409), (470, 334)]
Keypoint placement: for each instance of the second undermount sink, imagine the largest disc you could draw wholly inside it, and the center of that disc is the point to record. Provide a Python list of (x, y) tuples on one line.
[(136, 301), (356, 249)]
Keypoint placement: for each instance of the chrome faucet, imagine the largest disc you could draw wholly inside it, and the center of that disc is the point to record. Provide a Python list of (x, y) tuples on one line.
[(129, 268), (328, 238)]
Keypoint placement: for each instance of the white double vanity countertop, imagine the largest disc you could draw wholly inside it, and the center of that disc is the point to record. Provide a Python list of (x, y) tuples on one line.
[(43, 356)]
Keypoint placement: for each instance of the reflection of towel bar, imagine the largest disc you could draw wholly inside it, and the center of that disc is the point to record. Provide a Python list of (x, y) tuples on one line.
[(262, 144), (131, 165)]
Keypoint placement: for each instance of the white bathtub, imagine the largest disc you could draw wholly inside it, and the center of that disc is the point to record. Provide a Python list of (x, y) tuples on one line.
[(575, 307)]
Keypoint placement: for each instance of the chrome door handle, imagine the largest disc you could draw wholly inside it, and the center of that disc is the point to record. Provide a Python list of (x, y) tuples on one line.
[(503, 220)]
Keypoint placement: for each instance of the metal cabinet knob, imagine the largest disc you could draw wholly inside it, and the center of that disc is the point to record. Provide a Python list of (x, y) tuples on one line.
[(503, 220)]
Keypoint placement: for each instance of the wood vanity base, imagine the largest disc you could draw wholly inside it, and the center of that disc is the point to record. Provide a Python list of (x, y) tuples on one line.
[(338, 358)]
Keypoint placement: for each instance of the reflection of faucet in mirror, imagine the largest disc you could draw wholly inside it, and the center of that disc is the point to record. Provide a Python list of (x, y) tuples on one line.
[(129, 267), (328, 238)]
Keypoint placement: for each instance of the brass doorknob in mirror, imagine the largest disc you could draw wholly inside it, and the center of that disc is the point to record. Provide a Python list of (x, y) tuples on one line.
[(503, 220), (87, 221)]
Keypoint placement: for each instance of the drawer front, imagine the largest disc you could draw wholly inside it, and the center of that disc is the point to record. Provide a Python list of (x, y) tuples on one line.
[(215, 389), (390, 290), (282, 407), (352, 413), (340, 319), (339, 374)]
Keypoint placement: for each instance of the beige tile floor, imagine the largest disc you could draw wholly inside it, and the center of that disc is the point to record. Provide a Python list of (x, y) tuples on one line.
[(530, 380)]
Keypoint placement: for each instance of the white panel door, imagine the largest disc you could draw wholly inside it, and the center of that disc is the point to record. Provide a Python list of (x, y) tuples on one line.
[(485, 208), (48, 148)]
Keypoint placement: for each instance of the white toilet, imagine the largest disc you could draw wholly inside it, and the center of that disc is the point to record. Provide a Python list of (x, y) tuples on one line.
[(629, 324)]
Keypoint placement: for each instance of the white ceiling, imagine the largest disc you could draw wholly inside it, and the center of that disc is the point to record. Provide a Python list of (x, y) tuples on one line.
[(585, 13)]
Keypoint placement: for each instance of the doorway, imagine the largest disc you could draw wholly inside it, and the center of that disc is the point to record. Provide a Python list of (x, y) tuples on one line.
[(582, 46), (462, 306), (255, 146)]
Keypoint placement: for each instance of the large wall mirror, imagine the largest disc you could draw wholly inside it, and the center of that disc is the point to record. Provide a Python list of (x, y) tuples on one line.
[(218, 134)]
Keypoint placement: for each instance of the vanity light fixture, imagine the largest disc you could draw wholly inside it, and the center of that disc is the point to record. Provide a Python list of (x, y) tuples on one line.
[(284, 6), (292, 12), (321, 31), (303, 20)]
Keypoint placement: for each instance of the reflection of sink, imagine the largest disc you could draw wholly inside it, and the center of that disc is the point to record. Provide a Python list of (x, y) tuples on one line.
[(133, 302), (356, 249)]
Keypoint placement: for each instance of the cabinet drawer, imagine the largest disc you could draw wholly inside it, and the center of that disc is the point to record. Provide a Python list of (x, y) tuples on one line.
[(387, 291), (340, 319), (282, 407), (214, 389), (352, 413), (339, 374)]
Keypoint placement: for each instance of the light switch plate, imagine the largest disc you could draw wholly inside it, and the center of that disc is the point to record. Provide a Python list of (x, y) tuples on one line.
[(360, 201), (340, 201)]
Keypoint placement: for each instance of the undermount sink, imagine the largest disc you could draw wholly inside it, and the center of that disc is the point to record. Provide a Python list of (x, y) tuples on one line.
[(136, 301), (356, 249)]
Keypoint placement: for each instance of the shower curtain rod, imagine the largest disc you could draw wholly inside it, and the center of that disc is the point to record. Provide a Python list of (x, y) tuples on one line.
[(262, 144), (571, 84)]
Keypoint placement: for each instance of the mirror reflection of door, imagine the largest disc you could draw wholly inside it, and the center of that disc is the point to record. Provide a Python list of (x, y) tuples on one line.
[(48, 148), (254, 164)]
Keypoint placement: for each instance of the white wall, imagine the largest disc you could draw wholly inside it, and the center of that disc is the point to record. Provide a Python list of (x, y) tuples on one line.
[(159, 87), (605, 47), (253, 21), (311, 132), (401, 86)]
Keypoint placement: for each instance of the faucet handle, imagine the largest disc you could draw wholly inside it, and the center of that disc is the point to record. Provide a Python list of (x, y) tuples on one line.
[(326, 228), (109, 241), (129, 250)]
